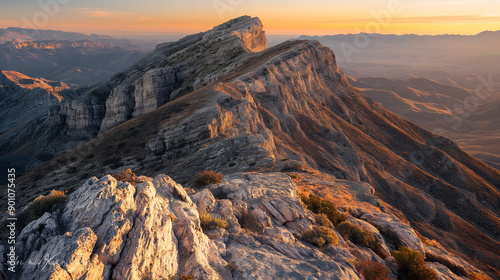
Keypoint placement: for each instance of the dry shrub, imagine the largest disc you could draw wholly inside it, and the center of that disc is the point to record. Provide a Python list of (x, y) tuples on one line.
[(320, 236), (358, 235), (126, 175), (39, 206), (322, 220), (209, 222), (207, 177), (412, 265), (179, 276), (372, 270), (319, 205), (249, 222), (295, 177)]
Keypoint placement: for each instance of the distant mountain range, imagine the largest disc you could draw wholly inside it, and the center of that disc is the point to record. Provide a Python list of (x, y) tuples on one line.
[(438, 57), (66, 56)]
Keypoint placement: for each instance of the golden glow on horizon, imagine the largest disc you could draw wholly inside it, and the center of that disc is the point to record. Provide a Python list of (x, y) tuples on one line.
[(445, 17)]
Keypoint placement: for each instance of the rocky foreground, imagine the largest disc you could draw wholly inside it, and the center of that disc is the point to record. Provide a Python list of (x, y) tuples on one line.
[(114, 230)]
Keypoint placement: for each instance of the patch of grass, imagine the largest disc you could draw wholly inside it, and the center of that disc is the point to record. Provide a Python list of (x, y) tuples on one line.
[(209, 222), (372, 270), (39, 206), (295, 176), (294, 167), (320, 236), (126, 175), (411, 264), (179, 276), (206, 178), (319, 205), (358, 235), (322, 220)]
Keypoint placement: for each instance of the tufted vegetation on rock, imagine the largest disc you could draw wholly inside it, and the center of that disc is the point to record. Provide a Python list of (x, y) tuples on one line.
[(41, 205), (209, 222), (372, 270), (320, 236), (320, 205), (412, 265), (249, 222), (358, 235), (126, 176), (206, 178)]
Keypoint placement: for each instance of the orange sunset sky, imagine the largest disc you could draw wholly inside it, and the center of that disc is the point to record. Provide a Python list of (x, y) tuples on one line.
[(292, 17)]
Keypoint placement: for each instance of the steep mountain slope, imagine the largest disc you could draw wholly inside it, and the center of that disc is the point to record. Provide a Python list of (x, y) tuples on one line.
[(23, 102), (287, 108), (171, 71), (469, 117)]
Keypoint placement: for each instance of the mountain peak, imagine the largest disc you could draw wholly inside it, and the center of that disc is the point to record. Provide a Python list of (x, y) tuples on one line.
[(249, 30)]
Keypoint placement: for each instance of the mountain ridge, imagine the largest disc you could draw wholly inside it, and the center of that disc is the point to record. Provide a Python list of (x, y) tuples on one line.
[(290, 109)]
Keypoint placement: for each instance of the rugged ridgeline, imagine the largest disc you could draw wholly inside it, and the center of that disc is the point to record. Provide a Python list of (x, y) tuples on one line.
[(171, 71), (24, 103), (287, 108)]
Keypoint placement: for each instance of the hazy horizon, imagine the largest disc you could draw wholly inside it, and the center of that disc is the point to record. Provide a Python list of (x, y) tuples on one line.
[(280, 18)]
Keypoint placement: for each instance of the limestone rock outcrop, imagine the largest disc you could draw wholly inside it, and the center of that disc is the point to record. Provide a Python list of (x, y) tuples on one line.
[(113, 230)]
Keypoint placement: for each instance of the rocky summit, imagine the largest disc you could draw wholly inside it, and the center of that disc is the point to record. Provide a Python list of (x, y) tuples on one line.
[(292, 139)]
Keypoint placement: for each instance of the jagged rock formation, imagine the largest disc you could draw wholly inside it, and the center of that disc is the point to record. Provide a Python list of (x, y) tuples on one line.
[(24, 102), (171, 71), (288, 108), (113, 230)]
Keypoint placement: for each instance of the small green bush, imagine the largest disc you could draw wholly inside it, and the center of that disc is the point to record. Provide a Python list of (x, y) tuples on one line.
[(358, 235), (412, 265), (320, 236), (319, 205), (372, 270), (209, 222), (207, 177)]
